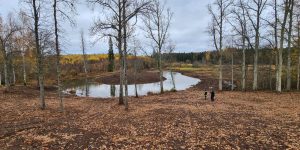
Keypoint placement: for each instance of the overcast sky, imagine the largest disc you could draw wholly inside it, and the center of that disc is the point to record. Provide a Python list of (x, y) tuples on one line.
[(188, 29)]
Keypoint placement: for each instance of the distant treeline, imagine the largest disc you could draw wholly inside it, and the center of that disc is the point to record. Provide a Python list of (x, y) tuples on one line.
[(266, 56)]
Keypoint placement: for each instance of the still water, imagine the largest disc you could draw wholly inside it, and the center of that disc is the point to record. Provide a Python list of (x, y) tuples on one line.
[(97, 90)]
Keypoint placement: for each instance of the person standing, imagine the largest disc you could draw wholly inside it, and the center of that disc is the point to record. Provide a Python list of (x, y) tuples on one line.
[(212, 95)]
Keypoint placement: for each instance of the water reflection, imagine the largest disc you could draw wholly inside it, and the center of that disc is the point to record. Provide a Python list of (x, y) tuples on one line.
[(113, 91), (173, 80)]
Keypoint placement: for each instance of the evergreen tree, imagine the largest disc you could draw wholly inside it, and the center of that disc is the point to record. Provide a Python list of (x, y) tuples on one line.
[(111, 56)]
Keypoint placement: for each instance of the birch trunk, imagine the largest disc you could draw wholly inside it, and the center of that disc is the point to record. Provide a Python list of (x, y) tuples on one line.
[(161, 73), (24, 69), (125, 54), (121, 94), (173, 80), (14, 75), (277, 68), (255, 66), (135, 74), (288, 84), (84, 55), (6, 80), (270, 72), (157, 25), (58, 65), (232, 75), (276, 45), (244, 65), (221, 49), (280, 51), (298, 45), (298, 75)]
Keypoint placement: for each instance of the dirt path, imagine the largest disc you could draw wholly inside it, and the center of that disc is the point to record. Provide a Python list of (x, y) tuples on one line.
[(179, 120)]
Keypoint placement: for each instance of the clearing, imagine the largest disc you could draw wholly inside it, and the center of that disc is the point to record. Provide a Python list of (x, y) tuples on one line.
[(179, 120)]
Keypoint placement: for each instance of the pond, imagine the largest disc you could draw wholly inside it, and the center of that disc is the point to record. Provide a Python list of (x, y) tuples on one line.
[(97, 90)]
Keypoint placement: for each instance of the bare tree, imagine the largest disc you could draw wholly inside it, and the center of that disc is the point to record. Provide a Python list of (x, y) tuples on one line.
[(21, 42), (85, 65), (254, 12), (275, 27), (124, 60), (41, 39), (291, 12), (298, 46), (170, 48), (82, 39), (136, 46), (287, 4), (39, 54), (7, 31), (59, 10), (218, 20), (118, 15), (239, 15), (24, 41), (157, 23)]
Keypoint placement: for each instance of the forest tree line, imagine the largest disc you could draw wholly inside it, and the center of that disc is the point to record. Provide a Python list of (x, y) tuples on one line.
[(212, 57), (254, 25)]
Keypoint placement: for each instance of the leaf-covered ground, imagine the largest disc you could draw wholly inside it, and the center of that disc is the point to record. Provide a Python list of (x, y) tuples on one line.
[(181, 120)]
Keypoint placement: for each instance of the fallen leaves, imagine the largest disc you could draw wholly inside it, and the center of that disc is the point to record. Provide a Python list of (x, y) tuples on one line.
[(181, 120)]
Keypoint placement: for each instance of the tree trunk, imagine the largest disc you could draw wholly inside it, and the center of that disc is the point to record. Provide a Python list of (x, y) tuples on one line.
[(282, 32), (112, 90), (173, 80), (270, 72), (58, 66), (288, 84), (121, 94), (277, 67), (14, 75), (84, 55), (160, 72), (135, 74), (255, 65), (39, 55), (244, 64), (24, 69), (298, 75), (232, 75), (121, 98), (221, 71), (276, 45), (84, 64), (124, 2), (221, 50), (298, 43), (125, 77), (87, 88), (6, 80)]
